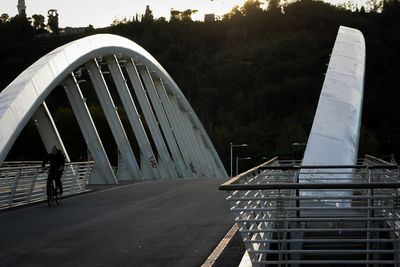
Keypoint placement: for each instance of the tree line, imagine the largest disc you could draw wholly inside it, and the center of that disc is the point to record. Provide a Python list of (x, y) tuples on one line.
[(253, 76)]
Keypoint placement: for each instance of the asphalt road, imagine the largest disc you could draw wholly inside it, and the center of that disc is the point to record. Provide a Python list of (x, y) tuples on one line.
[(152, 223)]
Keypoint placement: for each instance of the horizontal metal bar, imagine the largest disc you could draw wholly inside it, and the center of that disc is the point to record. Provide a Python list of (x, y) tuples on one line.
[(322, 219), (327, 261), (352, 240), (319, 230), (255, 169), (302, 167), (325, 251), (324, 208), (39, 166), (319, 186), (316, 198)]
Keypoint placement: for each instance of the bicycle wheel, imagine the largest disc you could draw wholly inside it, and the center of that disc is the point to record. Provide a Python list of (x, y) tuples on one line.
[(58, 199), (57, 196), (50, 196)]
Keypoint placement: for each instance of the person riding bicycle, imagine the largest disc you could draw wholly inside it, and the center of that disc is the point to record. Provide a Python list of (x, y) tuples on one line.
[(57, 162)]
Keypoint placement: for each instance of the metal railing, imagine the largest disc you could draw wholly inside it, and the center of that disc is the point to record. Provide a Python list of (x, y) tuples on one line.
[(21, 184), (285, 222)]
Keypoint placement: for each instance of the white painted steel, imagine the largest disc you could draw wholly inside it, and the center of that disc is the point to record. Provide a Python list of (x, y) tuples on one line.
[(180, 139), (185, 107), (47, 130), (199, 165), (191, 154), (111, 113), (335, 131), (179, 130), (103, 169), (26, 93), (164, 160), (336, 128), (147, 156), (280, 226), (162, 120), (21, 185)]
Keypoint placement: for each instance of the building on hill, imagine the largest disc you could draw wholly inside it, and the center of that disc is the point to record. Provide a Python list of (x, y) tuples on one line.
[(21, 7), (209, 17)]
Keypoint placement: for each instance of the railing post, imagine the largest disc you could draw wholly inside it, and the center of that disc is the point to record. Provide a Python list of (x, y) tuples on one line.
[(14, 188), (76, 176), (370, 215), (297, 195), (28, 197), (88, 171)]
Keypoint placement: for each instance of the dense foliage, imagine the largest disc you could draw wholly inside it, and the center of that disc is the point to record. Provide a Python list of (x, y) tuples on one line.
[(252, 77)]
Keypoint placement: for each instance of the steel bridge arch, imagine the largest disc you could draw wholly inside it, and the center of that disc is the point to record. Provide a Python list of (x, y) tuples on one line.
[(183, 146)]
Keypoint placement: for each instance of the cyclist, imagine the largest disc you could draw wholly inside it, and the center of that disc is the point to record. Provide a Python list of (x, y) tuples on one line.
[(57, 162)]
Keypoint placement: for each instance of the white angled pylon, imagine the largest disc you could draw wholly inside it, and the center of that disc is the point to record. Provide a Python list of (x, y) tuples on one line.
[(336, 128), (48, 130), (150, 162), (111, 113), (103, 167), (164, 160)]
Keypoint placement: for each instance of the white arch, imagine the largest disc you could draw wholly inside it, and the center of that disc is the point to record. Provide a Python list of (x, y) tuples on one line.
[(20, 100)]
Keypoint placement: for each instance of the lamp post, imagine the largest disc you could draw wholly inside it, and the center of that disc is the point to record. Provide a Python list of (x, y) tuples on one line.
[(237, 163), (232, 146), (297, 149)]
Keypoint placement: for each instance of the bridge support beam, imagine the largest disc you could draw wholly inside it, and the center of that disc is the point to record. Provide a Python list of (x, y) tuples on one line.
[(47, 130), (195, 164), (110, 111), (162, 119), (148, 160), (166, 165), (181, 139), (103, 170)]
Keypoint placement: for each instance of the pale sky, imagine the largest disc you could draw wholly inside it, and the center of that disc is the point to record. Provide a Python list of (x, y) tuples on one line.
[(81, 13), (102, 13)]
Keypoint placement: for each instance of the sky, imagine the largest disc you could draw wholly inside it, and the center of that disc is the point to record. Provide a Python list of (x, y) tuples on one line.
[(81, 13)]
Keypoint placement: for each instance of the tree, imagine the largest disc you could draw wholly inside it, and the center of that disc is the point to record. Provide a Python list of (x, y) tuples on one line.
[(374, 5), (148, 15), (4, 18), (274, 6), (234, 13), (182, 15), (38, 21), (251, 8), (187, 14), (52, 20)]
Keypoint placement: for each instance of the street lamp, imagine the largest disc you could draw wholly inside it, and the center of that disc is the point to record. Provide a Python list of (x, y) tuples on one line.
[(237, 163), (232, 146), (297, 149)]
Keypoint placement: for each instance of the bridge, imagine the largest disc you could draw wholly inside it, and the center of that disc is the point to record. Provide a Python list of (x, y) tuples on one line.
[(331, 207), (175, 144)]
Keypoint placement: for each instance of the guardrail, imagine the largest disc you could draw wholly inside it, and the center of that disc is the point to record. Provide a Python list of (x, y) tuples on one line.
[(21, 184), (282, 224)]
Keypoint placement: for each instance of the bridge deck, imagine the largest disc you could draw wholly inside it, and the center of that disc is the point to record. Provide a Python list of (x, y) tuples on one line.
[(168, 222)]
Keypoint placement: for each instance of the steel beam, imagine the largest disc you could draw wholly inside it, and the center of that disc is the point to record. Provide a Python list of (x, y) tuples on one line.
[(47, 130), (167, 169), (196, 164), (89, 131), (162, 119), (148, 159), (110, 111), (182, 140)]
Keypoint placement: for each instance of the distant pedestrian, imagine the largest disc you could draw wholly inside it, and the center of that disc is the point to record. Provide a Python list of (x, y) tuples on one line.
[(56, 169)]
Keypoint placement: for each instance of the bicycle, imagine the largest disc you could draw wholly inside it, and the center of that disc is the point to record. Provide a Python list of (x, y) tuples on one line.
[(52, 195)]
